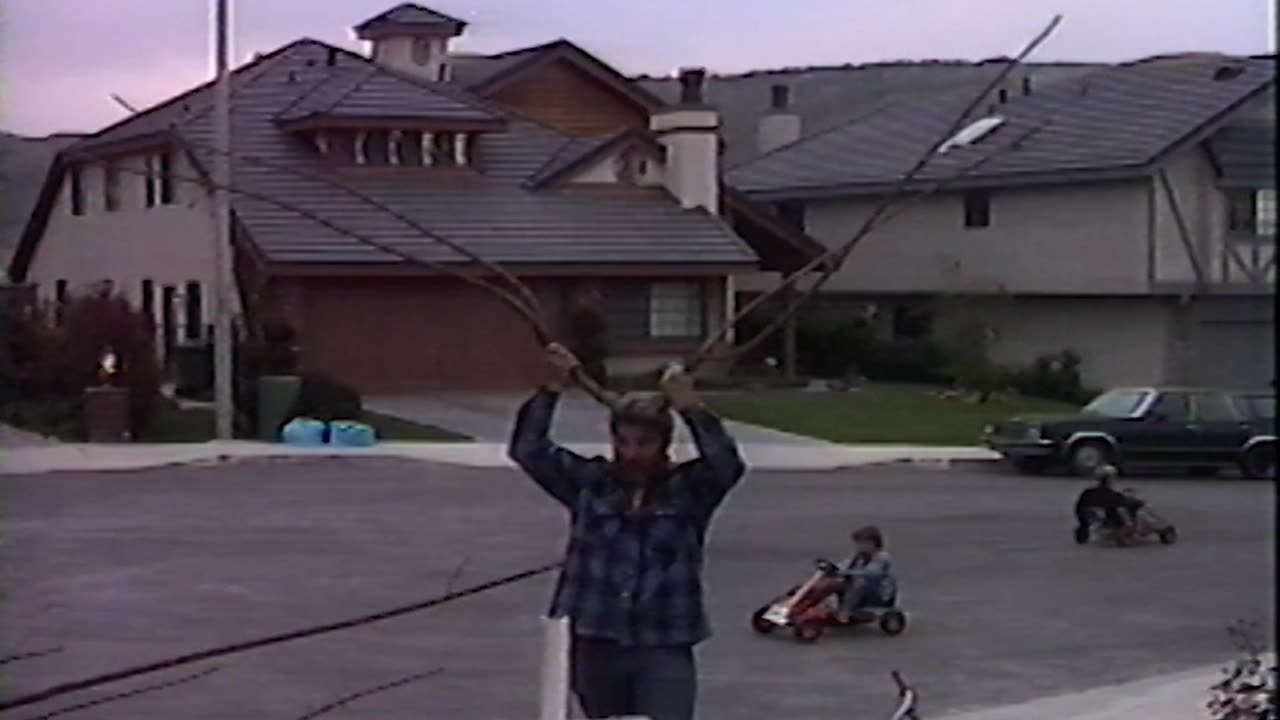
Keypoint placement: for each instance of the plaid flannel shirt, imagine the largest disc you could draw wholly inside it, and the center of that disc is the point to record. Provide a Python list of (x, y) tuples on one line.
[(632, 576)]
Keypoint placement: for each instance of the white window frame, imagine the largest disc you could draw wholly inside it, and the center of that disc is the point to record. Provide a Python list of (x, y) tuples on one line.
[(676, 310), (151, 196), (427, 145), (361, 138), (393, 146), (460, 149), (1264, 211)]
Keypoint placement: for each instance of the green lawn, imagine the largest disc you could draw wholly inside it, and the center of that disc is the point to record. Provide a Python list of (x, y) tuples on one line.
[(197, 425), (879, 413)]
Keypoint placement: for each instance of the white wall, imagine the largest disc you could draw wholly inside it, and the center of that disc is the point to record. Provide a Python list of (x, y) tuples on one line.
[(1067, 239), (167, 244), (605, 170)]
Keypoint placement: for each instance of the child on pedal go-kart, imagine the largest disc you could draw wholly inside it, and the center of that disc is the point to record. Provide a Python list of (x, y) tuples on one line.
[(867, 578)]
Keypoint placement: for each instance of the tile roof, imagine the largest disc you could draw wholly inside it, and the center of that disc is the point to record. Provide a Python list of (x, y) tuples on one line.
[(1245, 155), (826, 97), (1119, 118), (491, 212), (410, 14), (369, 91)]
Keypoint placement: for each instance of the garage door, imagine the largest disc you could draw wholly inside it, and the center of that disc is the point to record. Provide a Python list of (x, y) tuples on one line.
[(1234, 354), (393, 336)]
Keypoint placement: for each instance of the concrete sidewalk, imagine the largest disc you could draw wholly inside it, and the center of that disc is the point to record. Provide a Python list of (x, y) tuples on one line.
[(63, 457), (1179, 696)]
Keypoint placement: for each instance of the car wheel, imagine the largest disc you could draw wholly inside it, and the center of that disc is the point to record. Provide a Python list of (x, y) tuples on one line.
[(1087, 456), (893, 623), (1260, 462), (1031, 465)]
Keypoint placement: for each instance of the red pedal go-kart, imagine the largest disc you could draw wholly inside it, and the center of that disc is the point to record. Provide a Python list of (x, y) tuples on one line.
[(810, 609)]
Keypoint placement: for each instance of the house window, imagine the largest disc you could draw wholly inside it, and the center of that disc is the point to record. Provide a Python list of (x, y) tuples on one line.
[(167, 195), (194, 320), (60, 300), (151, 181), (676, 310), (77, 191), (111, 187), (408, 148), (977, 209), (149, 301), (792, 213), (375, 147), (1252, 211), (442, 152), (655, 311)]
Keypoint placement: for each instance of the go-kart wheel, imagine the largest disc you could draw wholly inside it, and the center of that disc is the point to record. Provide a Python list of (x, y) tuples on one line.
[(808, 632), (1081, 534), (759, 624), (1168, 535), (893, 623)]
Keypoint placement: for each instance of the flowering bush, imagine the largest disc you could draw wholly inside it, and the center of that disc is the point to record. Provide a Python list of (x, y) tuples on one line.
[(1247, 690), (55, 353)]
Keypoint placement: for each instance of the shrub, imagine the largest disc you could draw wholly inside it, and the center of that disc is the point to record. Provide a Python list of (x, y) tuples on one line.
[(1055, 376), (55, 356), (274, 353)]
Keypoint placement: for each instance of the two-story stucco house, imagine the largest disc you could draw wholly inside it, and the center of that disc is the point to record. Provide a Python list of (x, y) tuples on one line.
[(1127, 213), (544, 160)]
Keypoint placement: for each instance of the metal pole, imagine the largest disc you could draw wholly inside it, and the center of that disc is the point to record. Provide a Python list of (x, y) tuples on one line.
[(224, 281)]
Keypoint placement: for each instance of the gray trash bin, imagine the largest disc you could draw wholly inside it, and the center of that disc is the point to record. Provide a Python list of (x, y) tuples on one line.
[(276, 395)]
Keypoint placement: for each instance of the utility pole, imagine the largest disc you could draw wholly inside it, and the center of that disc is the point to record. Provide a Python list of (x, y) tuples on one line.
[(224, 280)]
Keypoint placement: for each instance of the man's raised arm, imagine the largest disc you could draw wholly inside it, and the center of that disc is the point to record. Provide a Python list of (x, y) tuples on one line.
[(559, 471), (720, 464)]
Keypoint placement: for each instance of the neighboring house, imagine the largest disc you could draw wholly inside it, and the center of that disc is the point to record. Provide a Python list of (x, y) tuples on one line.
[(763, 108), (1128, 214), (545, 160)]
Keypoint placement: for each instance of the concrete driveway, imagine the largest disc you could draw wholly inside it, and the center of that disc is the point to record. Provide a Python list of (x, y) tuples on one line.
[(579, 419)]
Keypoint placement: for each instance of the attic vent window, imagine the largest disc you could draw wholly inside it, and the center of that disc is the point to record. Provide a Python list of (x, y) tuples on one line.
[(974, 132)]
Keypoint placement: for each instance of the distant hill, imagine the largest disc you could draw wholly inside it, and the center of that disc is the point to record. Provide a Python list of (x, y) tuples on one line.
[(23, 164)]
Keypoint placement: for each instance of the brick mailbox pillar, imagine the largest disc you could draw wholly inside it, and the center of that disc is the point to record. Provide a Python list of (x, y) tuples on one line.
[(106, 414)]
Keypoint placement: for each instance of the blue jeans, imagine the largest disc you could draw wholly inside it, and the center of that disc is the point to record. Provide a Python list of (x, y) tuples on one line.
[(867, 592), (612, 680)]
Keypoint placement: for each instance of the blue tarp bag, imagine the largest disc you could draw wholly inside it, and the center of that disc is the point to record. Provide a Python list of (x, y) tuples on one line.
[(303, 432), (348, 433)]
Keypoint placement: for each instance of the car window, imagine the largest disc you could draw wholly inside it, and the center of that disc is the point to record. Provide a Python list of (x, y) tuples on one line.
[(1172, 407), (1117, 403), (1213, 407), (1259, 406)]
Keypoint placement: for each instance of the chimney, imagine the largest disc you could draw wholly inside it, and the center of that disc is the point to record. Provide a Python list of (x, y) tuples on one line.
[(412, 39), (690, 134), (780, 126)]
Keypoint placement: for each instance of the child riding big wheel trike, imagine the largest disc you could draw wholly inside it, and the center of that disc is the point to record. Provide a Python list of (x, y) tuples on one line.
[(811, 608)]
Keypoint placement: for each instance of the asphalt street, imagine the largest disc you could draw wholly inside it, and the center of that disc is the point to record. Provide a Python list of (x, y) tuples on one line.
[(129, 567)]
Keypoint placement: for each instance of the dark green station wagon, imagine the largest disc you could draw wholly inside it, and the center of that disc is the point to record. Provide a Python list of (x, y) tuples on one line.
[(1201, 430)]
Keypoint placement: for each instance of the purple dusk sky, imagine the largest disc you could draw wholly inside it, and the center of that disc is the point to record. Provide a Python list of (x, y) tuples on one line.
[(61, 58)]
